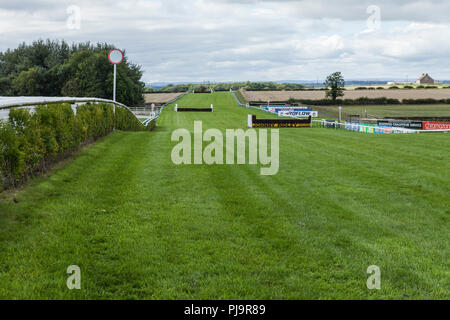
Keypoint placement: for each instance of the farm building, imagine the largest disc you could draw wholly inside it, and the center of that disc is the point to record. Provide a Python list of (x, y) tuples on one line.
[(425, 79)]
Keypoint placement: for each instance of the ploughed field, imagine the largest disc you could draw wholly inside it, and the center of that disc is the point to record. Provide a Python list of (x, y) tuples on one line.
[(160, 98), (399, 94), (140, 227)]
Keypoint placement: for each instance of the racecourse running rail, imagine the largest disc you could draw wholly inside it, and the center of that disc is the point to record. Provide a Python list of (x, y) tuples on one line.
[(6, 103)]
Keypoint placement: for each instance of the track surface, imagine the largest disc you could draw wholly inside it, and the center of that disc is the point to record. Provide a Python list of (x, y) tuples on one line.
[(140, 227)]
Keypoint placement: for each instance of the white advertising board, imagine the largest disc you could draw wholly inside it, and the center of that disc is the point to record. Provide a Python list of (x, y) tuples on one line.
[(295, 113)]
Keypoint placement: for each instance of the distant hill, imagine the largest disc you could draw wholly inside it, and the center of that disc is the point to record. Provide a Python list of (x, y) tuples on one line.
[(308, 83)]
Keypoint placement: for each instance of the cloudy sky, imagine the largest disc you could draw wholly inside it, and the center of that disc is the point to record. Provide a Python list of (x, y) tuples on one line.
[(225, 40)]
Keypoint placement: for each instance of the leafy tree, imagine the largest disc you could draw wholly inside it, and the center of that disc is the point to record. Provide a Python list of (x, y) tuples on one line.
[(53, 68), (30, 82), (334, 85), (251, 86), (149, 90), (291, 101), (292, 86)]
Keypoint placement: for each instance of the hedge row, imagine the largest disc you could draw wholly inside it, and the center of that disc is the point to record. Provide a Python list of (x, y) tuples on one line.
[(240, 97), (348, 102), (31, 142), (426, 101), (369, 101), (126, 121), (401, 88)]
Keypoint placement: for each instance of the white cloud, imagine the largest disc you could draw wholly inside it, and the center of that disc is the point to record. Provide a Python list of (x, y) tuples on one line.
[(248, 40), (415, 41), (320, 47)]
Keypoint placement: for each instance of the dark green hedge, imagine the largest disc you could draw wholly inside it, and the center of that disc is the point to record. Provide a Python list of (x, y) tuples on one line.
[(426, 101), (348, 102), (30, 142), (240, 97), (369, 101)]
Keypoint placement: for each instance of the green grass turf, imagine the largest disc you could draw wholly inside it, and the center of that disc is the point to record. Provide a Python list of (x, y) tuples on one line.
[(433, 110), (141, 227)]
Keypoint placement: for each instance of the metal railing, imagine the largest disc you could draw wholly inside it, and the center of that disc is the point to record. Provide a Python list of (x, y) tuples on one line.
[(248, 106), (237, 99), (156, 115), (6, 103), (367, 128), (171, 101)]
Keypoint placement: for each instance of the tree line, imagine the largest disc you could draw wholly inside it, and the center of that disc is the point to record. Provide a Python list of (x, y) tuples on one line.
[(55, 68), (250, 86)]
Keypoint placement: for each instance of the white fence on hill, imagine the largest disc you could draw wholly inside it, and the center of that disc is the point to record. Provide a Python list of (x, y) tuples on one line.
[(367, 128)]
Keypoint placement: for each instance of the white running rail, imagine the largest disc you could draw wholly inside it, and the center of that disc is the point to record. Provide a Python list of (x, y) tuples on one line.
[(6, 103)]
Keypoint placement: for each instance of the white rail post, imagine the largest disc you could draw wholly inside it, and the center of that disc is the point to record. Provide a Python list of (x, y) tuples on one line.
[(114, 85), (114, 96), (115, 56)]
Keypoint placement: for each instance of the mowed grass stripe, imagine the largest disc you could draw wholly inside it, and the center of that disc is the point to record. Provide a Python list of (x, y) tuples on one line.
[(75, 223), (345, 163), (141, 227)]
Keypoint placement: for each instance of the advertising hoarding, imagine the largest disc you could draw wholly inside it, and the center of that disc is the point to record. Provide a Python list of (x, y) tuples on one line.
[(436, 126)]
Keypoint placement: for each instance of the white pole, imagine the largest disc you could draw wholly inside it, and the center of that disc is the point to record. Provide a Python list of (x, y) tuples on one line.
[(114, 96), (114, 86)]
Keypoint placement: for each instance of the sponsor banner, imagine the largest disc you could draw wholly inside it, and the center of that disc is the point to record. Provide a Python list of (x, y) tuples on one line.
[(383, 130), (352, 126), (297, 113), (278, 108), (273, 106), (267, 107), (418, 125), (366, 128), (436, 125), (279, 123)]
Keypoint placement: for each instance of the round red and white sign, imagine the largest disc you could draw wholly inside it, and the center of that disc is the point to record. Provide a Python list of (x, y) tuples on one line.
[(115, 56)]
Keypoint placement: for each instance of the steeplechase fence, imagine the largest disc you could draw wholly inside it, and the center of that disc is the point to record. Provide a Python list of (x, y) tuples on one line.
[(253, 122), (178, 109), (154, 117)]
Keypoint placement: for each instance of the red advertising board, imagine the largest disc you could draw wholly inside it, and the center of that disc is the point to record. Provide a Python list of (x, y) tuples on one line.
[(436, 126)]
